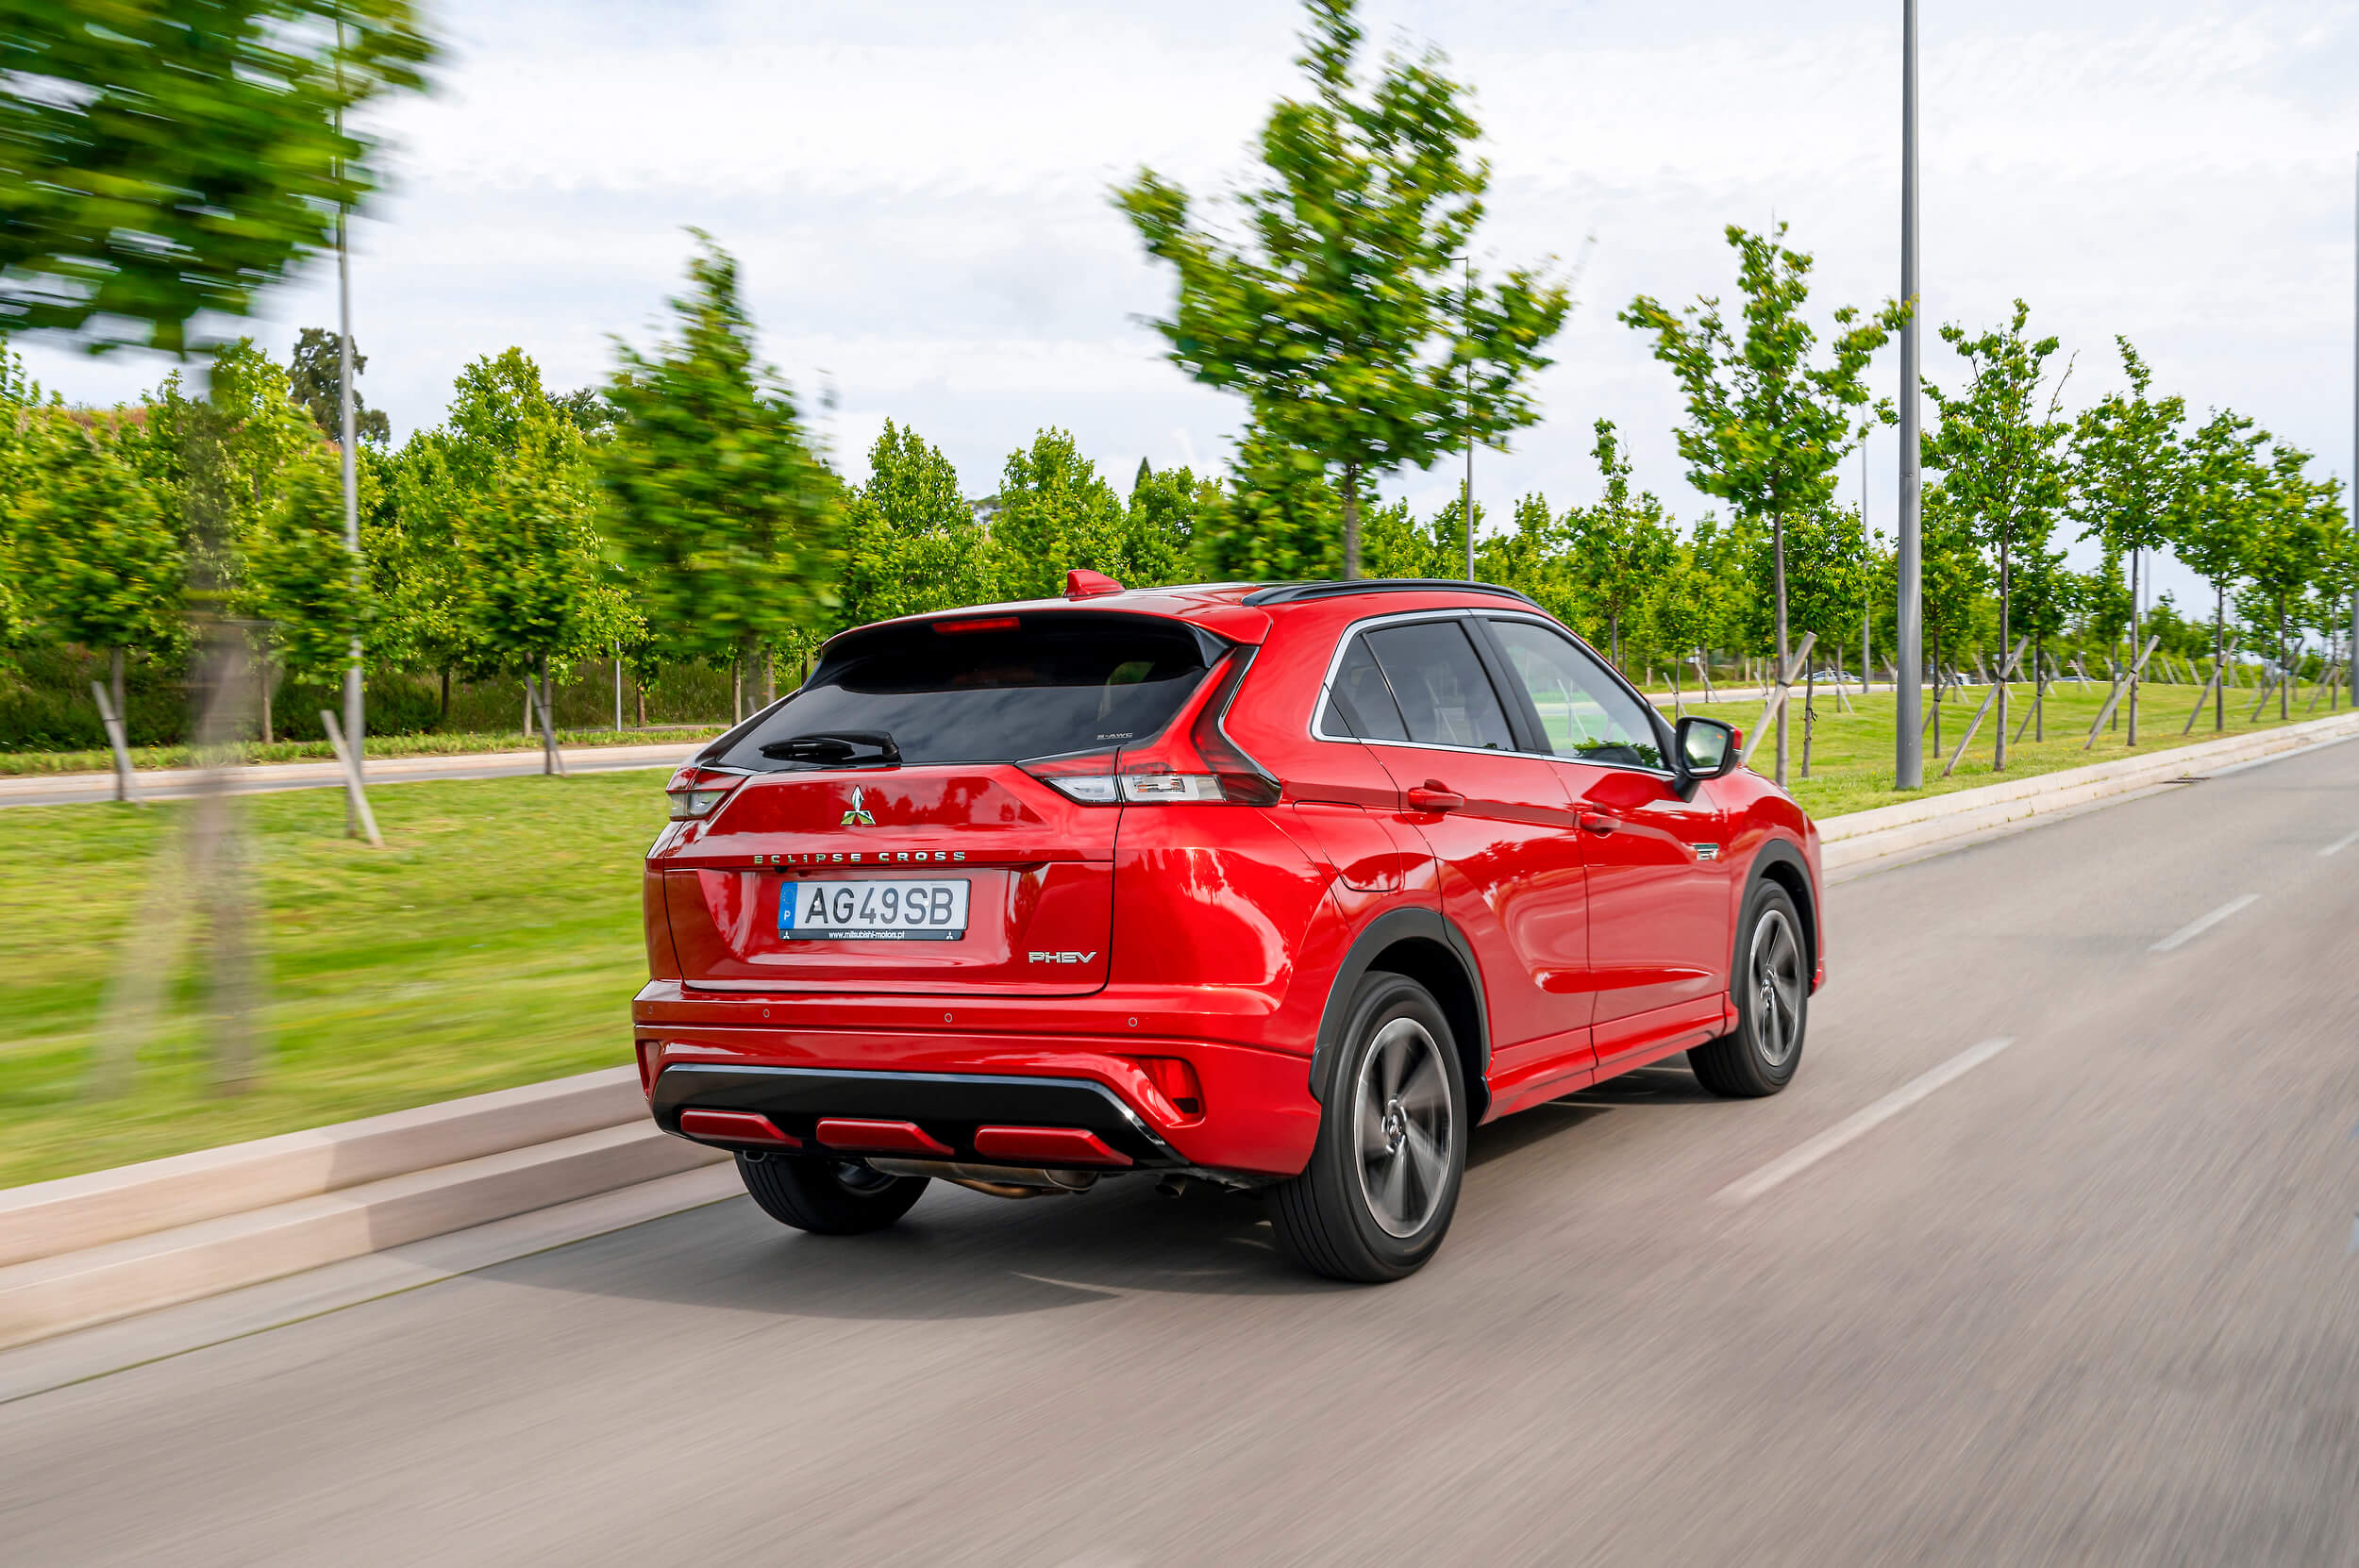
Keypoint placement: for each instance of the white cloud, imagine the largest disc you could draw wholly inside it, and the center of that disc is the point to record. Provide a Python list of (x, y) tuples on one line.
[(917, 192)]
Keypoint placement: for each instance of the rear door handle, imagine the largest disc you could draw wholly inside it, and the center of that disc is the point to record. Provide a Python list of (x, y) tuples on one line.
[(1598, 822), (1431, 796)]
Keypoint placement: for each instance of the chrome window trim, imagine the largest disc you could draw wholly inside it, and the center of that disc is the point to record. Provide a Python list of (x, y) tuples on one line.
[(1335, 664)]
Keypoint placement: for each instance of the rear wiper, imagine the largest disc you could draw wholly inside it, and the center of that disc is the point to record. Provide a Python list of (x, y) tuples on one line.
[(837, 748)]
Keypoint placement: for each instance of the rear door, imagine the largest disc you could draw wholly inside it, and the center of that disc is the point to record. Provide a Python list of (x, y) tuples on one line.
[(938, 863), (1419, 693), (1658, 883)]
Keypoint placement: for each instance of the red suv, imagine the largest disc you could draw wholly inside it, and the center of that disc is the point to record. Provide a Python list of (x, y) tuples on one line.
[(1283, 887)]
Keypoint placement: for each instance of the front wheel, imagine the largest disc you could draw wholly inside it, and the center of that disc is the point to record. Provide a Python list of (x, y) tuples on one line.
[(829, 1197), (1382, 1183), (1771, 989)]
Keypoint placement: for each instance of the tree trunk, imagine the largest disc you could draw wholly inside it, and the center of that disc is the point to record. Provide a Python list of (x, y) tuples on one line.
[(2039, 690), (114, 687), (2006, 644), (2137, 631), (441, 714), (1777, 526), (769, 676), (1615, 622), (262, 686), (737, 691), (2285, 685), (1809, 715), (639, 696), (1352, 521), (1936, 693)]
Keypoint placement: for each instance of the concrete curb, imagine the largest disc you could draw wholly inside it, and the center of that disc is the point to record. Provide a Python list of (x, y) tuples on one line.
[(1860, 836), (63, 788), (89, 1249)]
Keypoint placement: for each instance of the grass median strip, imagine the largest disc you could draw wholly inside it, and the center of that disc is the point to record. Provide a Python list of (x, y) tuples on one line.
[(494, 941)]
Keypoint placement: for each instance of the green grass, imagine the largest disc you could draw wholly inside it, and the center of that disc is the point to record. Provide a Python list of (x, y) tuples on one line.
[(1851, 752), (375, 745), (495, 940)]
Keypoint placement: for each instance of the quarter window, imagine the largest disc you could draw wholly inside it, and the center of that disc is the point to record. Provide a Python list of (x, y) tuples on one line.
[(1444, 697), (1584, 712), (1361, 703)]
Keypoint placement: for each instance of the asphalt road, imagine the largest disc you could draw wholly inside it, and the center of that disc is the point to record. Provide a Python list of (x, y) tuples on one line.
[(2088, 1297)]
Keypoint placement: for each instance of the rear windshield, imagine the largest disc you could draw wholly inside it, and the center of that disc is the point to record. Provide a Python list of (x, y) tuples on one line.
[(1045, 684)]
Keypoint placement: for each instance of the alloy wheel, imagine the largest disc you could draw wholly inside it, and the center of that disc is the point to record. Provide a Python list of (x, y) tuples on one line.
[(1776, 986), (1401, 1112)]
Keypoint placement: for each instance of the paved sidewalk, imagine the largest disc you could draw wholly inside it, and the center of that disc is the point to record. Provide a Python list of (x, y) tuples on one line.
[(72, 789)]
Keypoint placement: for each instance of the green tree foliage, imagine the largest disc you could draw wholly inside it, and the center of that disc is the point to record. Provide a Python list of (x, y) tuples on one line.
[(282, 494), (1055, 515), (96, 560), (1620, 544), (2129, 475), (1767, 427), (1343, 321), (2000, 447), (314, 375), (1535, 556), (910, 544), (162, 159), (722, 517), (1280, 521), (2224, 475), (1159, 526), (2293, 545), (1396, 545), (514, 491)]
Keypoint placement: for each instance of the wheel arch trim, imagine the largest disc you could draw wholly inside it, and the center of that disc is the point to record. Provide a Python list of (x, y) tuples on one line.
[(1391, 929)]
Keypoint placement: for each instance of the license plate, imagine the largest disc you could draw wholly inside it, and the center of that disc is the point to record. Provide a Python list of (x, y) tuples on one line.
[(899, 910)]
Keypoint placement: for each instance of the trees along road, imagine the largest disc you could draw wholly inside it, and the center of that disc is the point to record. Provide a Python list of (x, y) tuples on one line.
[(2086, 1296)]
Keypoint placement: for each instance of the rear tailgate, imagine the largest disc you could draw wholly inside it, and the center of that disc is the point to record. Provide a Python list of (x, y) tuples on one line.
[(1035, 869)]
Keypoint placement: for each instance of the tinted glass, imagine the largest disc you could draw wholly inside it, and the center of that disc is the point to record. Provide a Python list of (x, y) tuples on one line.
[(1051, 684), (1445, 700), (1360, 703), (1584, 712)]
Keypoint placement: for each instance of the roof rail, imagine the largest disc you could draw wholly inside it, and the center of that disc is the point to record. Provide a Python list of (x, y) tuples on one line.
[(1292, 592)]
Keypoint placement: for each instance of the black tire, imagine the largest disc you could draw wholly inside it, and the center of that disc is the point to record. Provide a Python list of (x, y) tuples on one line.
[(1771, 985), (829, 1197), (1377, 1212)]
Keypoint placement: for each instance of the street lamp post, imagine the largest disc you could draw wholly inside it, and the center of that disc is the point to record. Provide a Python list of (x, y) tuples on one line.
[(1908, 752)]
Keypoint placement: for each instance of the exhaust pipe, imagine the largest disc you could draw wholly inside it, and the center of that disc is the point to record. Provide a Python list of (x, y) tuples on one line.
[(1000, 1182)]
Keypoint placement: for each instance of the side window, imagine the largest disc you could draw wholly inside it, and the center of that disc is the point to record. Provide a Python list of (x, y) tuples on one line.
[(1445, 700), (1360, 703), (1584, 712)]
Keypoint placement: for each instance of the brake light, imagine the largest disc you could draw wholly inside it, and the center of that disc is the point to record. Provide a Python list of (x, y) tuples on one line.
[(1088, 777), (987, 623), (696, 792), (1240, 780)]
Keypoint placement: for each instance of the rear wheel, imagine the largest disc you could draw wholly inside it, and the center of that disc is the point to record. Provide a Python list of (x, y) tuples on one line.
[(1382, 1182), (1772, 994), (830, 1197)]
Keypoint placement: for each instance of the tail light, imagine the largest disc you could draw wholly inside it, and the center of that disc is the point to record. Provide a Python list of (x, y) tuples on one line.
[(1204, 766), (699, 792)]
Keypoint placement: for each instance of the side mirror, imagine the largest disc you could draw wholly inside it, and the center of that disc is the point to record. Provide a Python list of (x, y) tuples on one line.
[(1705, 748)]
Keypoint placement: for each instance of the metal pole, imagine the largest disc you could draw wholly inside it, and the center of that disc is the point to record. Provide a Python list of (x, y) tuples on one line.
[(354, 727), (1867, 569), (1908, 759), (1466, 495), (2355, 479)]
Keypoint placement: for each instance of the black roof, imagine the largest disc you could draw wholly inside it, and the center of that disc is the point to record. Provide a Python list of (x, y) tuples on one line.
[(1292, 593)]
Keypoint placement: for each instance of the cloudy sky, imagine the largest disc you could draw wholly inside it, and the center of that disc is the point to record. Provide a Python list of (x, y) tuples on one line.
[(917, 192)]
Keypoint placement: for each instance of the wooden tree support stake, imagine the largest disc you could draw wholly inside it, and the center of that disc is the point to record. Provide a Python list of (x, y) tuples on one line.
[(354, 790), (1989, 696), (2121, 684), (125, 786), (1777, 695)]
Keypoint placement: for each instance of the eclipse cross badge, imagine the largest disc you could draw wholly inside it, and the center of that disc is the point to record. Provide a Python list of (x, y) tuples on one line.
[(858, 816)]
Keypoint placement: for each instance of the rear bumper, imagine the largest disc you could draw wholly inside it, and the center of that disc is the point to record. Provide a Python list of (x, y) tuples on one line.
[(947, 1107), (1257, 1118)]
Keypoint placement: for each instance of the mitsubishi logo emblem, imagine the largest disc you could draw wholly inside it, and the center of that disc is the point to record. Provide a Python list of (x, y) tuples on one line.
[(858, 816)]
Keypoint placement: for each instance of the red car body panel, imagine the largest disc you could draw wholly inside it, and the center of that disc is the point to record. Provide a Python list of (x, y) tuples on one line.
[(1593, 907)]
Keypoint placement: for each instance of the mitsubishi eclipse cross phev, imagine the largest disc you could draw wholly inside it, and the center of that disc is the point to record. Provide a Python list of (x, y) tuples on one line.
[(1281, 888)]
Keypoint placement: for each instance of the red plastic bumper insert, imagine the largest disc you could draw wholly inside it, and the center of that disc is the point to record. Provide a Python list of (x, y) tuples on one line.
[(1048, 1147), (736, 1127), (882, 1138)]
